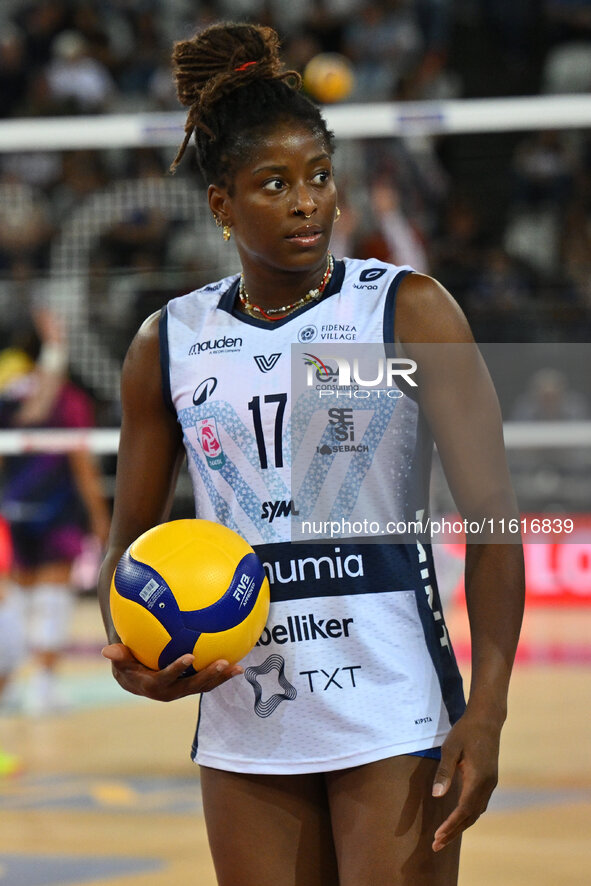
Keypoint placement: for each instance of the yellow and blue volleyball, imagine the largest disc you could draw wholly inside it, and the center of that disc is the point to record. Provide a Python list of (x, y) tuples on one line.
[(189, 586), (328, 77)]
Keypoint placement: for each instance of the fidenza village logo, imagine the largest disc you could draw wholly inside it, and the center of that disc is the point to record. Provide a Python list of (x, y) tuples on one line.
[(347, 375)]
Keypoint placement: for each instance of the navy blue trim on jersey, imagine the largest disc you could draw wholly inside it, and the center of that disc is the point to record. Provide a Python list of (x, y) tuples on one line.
[(228, 301), (390, 306), (442, 655), (165, 359), (195, 745)]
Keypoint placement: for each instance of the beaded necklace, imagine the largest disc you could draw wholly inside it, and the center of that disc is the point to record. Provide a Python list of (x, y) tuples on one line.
[(279, 313)]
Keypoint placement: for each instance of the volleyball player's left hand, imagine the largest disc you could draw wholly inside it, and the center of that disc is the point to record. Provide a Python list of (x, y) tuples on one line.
[(169, 683), (470, 752)]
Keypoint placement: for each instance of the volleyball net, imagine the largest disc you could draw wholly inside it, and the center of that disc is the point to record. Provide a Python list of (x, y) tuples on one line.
[(347, 121)]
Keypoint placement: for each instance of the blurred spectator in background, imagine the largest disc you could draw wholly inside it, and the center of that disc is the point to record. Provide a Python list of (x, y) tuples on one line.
[(12, 636), (41, 21), (543, 170), (78, 83), (552, 478), (14, 73), (50, 500), (393, 238), (568, 19), (25, 226), (548, 397), (457, 250), (384, 43), (431, 77), (497, 300), (83, 173)]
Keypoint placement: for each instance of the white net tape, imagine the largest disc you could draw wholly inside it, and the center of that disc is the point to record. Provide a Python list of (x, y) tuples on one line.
[(349, 121), (104, 441)]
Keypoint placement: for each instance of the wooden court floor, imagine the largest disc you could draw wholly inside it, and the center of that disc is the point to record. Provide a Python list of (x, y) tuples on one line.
[(109, 797)]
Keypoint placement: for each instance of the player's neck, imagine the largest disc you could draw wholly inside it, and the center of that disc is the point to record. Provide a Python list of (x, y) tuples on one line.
[(277, 294)]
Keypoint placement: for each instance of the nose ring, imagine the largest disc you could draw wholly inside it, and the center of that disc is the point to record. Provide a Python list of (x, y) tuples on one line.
[(297, 211)]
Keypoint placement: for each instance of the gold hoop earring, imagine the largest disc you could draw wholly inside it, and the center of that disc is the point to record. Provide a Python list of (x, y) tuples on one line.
[(226, 232), (337, 214), (217, 220)]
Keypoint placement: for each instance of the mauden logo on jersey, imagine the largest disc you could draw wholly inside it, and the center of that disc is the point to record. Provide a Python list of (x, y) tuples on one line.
[(215, 346), (207, 434)]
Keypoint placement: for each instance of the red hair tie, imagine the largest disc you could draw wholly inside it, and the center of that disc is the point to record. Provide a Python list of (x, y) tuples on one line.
[(244, 66)]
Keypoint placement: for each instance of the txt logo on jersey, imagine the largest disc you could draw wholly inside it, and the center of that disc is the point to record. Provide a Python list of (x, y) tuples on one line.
[(288, 692), (207, 434)]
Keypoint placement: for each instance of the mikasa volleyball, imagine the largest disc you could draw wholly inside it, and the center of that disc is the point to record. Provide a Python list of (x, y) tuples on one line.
[(189, 586)]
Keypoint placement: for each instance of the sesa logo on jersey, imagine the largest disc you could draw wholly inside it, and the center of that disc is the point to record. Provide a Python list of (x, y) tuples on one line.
[(204, 390), (207, 434), (371, 274)]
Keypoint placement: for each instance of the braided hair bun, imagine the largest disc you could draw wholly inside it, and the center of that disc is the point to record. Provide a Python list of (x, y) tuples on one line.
[(231, 78)]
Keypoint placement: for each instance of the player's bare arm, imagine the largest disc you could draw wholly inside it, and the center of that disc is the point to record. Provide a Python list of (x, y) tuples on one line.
[(149, 459), (460, 403)]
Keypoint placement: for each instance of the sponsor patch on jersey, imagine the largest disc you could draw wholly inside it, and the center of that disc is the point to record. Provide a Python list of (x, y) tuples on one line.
[(307, 333), (371, 274), (209, 439), (264, 708), (338, 331), (215, 346), (264, 363), (279, 508), (204, 391)]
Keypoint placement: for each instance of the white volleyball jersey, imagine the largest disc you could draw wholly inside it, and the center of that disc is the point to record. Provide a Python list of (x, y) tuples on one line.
[(355, 663)]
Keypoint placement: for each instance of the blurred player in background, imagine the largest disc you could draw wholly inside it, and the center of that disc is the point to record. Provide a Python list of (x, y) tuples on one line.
[(50, 500), (12, 636)]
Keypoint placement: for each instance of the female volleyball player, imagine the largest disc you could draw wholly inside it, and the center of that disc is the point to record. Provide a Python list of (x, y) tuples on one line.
[(341, 752)]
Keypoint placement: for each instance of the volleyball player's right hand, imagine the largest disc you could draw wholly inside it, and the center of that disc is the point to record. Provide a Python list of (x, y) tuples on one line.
[(169, 683)]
